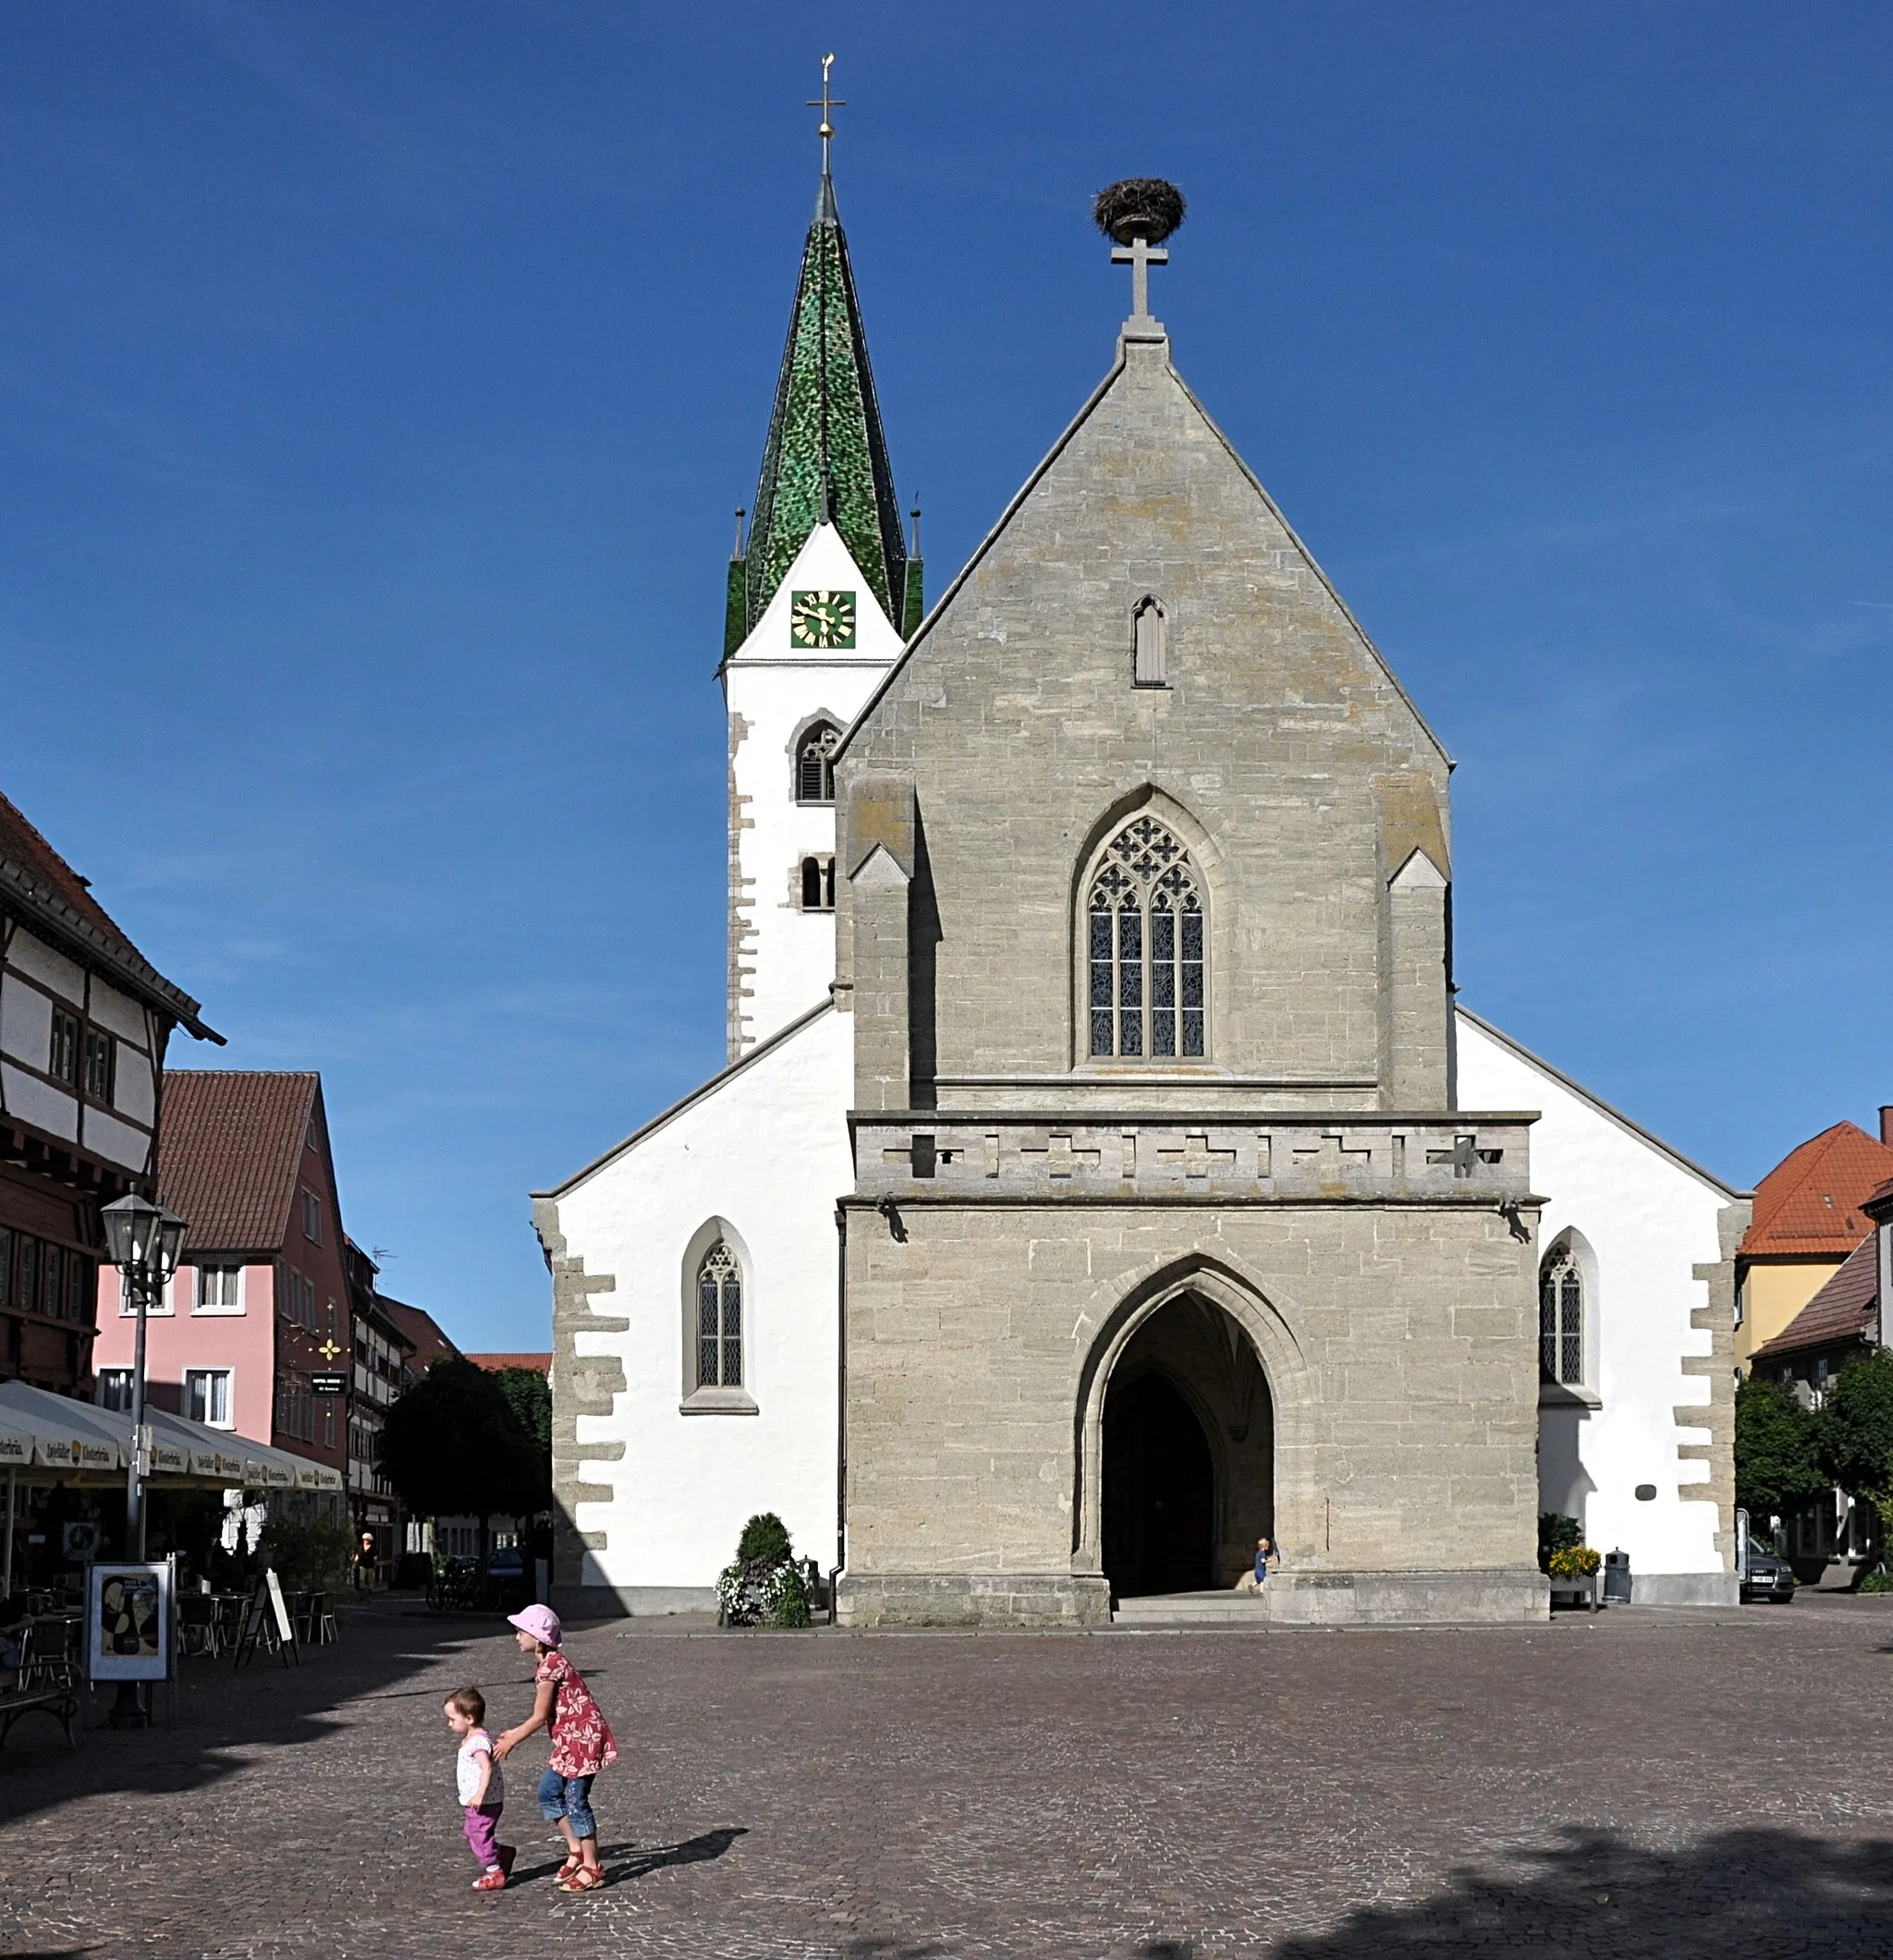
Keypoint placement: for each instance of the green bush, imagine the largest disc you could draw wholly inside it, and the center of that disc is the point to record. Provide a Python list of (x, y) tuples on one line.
[(308, 1557), (764, 1537), (789, 1596), (1877, 1580), (1555, 1533)]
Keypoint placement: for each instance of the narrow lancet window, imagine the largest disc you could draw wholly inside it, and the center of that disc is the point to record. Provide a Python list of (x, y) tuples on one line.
[(1148, 651), (815, 763), (1144, 944), (1561, 1318), (720, 1320)]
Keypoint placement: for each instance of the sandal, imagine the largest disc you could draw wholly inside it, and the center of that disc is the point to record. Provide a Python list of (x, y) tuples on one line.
[(495, 1881), (571, 1864), (588, 1877)]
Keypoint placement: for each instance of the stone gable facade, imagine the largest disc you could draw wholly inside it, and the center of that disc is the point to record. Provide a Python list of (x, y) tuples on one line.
[(1028, 1211)]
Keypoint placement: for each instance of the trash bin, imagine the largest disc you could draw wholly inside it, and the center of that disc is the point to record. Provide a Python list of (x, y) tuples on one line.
[(1617, 1578)]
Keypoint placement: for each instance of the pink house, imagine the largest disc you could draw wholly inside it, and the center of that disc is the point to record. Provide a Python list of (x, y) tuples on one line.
[(253, 1335)]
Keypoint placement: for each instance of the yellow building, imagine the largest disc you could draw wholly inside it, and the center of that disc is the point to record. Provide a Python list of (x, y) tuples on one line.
[(1807, 1218)]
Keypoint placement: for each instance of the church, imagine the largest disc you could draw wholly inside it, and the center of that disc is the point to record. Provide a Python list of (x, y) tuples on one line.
[(1105, 1174)]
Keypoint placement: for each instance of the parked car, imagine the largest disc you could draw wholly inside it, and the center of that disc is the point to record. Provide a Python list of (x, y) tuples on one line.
[(1769, 1577)]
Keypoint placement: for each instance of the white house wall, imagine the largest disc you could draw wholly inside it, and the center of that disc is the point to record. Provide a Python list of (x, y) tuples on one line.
[(1646, 1221), (766, 1151), (784, 958)]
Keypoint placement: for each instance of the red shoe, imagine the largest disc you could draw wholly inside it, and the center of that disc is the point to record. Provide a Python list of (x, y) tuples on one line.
[(495, 1881)]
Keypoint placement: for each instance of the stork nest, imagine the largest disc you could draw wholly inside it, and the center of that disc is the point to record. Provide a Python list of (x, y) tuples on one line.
[(1139, 207)]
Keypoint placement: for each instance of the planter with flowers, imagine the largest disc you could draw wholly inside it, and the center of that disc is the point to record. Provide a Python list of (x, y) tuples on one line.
[(1573, 1573)]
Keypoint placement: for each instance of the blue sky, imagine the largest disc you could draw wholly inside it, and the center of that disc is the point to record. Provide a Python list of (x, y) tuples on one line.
[(377, 385)]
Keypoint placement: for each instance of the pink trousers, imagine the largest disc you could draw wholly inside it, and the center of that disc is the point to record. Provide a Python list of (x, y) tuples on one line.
[(483, 1834)]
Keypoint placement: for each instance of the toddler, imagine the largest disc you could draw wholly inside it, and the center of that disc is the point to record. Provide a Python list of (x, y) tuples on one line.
[(482, 1790)]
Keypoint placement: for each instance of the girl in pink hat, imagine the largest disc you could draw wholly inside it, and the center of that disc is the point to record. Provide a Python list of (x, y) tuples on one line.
[(581, 1745)]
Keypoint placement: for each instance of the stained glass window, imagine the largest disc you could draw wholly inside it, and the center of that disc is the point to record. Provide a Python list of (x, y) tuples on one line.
[(1561, 1318), (720, 1320), (1144, 949)]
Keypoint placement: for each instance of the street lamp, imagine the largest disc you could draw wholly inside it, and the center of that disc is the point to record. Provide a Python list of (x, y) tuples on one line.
[(144, 1241)]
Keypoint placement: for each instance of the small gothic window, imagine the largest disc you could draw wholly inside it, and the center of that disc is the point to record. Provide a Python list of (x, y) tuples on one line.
[(1561, 1318), (815, 763), (720, 1320), (1145, 948), (818, 884), (1147, 625)]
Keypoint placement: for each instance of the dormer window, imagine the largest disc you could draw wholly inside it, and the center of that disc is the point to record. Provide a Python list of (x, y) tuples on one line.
[(815, 763)]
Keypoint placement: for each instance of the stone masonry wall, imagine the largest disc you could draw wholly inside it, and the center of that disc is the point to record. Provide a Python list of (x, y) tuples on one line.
[(1399, 1343)]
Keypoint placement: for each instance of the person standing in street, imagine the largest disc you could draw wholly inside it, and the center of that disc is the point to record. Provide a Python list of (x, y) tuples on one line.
[(582, 1744)]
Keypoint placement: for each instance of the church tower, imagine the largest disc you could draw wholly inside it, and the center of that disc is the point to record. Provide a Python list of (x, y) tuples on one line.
[(822, 592)]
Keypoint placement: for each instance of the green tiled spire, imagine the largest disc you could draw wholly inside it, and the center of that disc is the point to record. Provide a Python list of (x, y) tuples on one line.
[(826, 454)]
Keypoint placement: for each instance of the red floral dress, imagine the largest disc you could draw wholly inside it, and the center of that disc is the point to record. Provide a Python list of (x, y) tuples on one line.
[(583, 1743)]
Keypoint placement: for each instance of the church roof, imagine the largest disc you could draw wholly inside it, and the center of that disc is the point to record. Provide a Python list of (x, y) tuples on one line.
[(1809, 1205), (825, 451)]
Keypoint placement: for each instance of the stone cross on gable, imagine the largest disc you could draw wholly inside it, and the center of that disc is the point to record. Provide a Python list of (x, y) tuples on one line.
[(1140, 255)]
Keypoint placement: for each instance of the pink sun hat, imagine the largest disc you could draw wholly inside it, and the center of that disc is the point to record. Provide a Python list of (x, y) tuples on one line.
[(541, 1622)]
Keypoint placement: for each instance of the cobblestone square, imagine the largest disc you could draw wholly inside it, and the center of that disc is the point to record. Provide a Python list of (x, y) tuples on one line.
[(1644, 1783)]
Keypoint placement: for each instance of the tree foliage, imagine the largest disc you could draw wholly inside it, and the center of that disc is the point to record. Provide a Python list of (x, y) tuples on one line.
[(764, 1537), (1777, 1452), (1856, 1434), (529, 1394), (453, 1442)]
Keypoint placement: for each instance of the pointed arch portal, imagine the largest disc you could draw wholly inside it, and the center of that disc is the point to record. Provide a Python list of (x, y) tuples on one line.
[(1187, 1481)]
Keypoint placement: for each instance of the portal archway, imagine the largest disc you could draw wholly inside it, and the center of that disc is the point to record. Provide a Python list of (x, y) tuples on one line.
[(1188, 1457), (1160, 1491)]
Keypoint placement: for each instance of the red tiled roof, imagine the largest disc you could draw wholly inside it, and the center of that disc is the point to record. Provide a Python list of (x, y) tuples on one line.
[(429, 1337), (58, 900), (1809, 1204), (230, 1151), (21, 842), (539, 1364), (1844, 1309)]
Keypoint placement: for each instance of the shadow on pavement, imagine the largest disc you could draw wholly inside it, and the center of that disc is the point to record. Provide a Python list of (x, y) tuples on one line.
[(1753, 1892), (692, 1851), (222, 1711)]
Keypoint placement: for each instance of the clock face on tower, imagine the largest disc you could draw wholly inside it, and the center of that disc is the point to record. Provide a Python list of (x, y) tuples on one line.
[(821, 619)]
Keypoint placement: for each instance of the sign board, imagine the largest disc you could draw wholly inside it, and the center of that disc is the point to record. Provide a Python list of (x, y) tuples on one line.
[(128, 1623), (279, 1606), (329, 1384)]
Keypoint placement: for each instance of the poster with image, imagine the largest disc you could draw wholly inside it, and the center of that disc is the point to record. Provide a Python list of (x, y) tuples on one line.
[(129, 1621)]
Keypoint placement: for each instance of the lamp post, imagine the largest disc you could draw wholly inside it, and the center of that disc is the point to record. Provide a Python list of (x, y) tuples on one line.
[(144, 1241)]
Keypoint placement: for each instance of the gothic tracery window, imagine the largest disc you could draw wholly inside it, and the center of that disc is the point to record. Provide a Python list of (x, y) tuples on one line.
[(1561, 1318), (720, 1320), (1145, 948), (815, 763)]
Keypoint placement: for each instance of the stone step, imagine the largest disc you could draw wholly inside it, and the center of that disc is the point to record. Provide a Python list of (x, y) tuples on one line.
[(1176, 1609)]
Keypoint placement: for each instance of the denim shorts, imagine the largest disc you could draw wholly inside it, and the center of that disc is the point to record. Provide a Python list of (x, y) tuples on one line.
[(568, 1797)]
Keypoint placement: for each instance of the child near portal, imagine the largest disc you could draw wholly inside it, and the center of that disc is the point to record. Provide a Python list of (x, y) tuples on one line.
[(483, 1791), (581, 1745)]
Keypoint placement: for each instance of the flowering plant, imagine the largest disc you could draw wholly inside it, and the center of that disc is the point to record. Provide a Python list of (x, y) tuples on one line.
[(1575, 1562)]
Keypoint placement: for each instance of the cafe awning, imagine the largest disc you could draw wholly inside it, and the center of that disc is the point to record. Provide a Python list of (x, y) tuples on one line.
[(38, 1428)]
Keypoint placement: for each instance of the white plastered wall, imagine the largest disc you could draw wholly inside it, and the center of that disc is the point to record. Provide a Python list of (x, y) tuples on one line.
[(772, 688), (766, 1151), (1646, 1221)]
